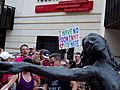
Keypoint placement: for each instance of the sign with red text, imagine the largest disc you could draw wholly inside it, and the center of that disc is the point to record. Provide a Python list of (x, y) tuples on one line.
[(69, 38), (66, 6)]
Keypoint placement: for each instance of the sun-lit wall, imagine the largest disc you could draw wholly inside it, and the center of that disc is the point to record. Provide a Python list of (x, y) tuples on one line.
[(113, 38), (28, 24)]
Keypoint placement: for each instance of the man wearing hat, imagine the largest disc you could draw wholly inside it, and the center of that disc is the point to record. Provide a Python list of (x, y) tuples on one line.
[(44, 53), (32, 51), (5, 56), (45, 57), (53, 84)]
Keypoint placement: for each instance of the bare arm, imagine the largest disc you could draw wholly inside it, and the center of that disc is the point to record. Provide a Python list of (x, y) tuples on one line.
[(13, 79), (65, 55), (74, 85), (45, 86), (37, 79)]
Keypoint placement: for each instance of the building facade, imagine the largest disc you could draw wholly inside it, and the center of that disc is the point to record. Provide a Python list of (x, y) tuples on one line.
[(41, 29)]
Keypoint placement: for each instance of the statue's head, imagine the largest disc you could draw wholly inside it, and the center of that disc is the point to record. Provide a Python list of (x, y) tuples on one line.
[(93, 44), (95, 47)]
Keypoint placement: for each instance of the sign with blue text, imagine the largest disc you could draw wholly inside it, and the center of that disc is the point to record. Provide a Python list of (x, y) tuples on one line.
[(69, 38)]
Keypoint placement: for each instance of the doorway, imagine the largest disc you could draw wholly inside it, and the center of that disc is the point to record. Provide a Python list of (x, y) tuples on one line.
[(51, 43)]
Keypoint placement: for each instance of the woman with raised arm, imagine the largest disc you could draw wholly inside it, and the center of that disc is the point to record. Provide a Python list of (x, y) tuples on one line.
[(24, 80)]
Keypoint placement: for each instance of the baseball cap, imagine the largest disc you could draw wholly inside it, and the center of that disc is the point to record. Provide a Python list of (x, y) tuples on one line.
[(31, 47), (5, 55), (45, 53)]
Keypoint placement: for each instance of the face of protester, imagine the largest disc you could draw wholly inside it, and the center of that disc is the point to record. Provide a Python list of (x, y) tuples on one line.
[(54, 62), (37, 54), (77, 57), (24, 51), (32, 50)]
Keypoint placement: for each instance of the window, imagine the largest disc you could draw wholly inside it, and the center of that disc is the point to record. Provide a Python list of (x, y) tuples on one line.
[(7, 17), (112, 14)]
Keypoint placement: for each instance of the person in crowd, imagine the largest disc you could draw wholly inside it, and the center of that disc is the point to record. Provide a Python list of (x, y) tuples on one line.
[(24, 80), (24, 50), (72, 63), (58, 84), (77, 59), (40, 51), (45, 57), (5, 57), (36, 58), (32, 51), (76, 64)]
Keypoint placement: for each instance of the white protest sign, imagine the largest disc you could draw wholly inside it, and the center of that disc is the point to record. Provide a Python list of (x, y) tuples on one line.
[(69, 38)]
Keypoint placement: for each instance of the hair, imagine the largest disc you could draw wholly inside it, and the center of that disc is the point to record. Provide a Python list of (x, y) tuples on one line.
[(77, 53), (40, 51), (55, 55), (28, 60), (1, 59), (22, 46)]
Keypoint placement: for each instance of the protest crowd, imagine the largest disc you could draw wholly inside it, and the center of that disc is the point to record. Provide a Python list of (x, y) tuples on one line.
[(29, 81)]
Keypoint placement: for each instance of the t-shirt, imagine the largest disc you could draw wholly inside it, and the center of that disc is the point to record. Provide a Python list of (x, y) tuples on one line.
[(5, 77), (58, 85), (20, 59)]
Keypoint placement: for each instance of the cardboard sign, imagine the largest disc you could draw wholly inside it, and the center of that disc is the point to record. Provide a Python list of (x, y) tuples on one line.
[(69, 38)]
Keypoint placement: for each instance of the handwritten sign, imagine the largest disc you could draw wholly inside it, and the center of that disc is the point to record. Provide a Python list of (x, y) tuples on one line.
[(69, 38)]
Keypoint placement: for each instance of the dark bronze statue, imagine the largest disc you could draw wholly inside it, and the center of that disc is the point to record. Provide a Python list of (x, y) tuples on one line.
[(99, 67)]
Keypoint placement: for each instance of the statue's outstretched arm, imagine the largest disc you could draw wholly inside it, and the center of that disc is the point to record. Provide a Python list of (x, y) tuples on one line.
[(62, 73)]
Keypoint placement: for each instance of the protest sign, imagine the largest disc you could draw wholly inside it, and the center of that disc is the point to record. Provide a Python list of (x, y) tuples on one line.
[(69, 38)]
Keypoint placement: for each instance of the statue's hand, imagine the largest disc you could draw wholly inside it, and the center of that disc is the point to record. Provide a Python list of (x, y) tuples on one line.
[(5, 67), (12, 67)]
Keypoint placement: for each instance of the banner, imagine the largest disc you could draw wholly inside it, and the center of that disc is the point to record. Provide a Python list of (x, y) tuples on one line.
[(69, 38), (66, 6)]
